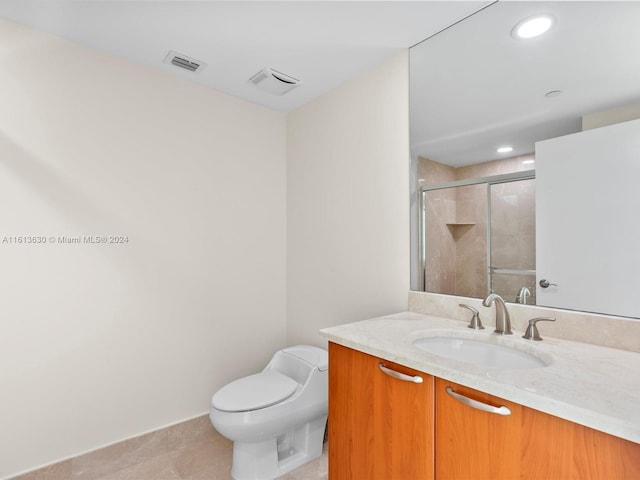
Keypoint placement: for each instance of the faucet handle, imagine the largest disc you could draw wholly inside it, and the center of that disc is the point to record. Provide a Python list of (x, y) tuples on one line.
[(475, 322), (532, 332)]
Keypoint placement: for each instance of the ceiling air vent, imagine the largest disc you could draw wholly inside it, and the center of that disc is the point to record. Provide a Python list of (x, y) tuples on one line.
[(274, 82), (182, 61)]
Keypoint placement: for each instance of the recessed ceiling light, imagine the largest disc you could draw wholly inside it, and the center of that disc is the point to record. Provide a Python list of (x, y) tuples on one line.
[(533, 26), (528, 162), (505, 149)]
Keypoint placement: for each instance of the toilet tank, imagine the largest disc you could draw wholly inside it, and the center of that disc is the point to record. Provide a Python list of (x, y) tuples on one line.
[(299, 361)]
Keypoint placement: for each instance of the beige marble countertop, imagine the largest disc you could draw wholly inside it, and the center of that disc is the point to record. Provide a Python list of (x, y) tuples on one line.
[(591, 385)]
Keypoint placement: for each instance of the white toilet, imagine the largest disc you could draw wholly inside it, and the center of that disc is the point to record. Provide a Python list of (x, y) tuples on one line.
[(275, 418)]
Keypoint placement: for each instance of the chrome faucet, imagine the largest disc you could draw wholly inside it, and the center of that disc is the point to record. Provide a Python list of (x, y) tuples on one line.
[(523, 295), (503, 321)]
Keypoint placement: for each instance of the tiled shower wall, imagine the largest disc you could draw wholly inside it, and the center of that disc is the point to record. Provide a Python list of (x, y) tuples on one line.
[(513, 237), (441, 212), (470, 236)]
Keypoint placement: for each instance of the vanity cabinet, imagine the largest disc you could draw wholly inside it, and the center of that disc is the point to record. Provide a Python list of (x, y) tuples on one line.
[(382, 428), (525, 444)]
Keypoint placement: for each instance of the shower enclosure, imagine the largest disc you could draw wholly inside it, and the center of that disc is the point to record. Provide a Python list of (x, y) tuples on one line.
[(478, 236)]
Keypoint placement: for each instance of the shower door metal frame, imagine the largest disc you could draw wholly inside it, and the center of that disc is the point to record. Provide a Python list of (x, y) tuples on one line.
[(488, 181)]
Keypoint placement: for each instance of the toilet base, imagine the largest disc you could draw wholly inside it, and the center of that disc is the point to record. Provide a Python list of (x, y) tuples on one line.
[(270, 459)]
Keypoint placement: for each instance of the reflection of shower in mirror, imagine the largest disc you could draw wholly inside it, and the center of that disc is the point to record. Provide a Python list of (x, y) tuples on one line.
[(479, 228)]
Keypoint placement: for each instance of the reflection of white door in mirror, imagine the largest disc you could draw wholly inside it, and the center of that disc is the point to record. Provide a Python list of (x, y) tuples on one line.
[(588, 220)]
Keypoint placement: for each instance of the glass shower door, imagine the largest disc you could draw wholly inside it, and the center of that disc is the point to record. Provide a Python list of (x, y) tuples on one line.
[(512, 240)]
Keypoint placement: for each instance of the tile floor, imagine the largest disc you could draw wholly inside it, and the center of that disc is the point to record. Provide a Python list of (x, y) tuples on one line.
[(190, 451)]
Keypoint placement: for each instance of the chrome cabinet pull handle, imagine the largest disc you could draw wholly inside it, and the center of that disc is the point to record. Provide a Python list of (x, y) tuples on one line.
[(476, 404), (400, 376)]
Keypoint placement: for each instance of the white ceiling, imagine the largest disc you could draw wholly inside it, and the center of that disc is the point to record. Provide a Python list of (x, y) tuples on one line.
[(322, 43), (474, 87)]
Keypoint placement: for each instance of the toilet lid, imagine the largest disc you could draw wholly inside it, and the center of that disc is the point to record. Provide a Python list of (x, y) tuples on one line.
[(254, 392)]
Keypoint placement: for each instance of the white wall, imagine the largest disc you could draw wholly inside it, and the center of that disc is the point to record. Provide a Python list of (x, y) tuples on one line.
[(611, 116), (348, 203), (101, 342)]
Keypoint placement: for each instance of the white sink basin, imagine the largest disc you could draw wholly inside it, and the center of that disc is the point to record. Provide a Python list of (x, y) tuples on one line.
[(480, 352)]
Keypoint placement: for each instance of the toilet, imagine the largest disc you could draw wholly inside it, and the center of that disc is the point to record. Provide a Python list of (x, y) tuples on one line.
[(275, 418)]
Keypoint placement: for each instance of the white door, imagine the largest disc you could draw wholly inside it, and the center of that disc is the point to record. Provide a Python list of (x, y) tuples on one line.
[(588, 220)]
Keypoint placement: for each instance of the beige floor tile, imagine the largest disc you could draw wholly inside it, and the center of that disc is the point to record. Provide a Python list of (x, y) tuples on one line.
[(196, 458), (219, 471), (199, 453), (193, 430), (119, 456), (59, 471), (159, 468)]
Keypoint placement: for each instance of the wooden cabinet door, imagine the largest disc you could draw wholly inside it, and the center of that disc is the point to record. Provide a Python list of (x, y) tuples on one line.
[(525, 445), (380, 427), (474, 444), (556, 448)]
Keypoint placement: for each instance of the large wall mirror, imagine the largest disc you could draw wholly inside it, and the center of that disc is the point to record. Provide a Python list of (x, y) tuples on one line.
[(526, 156)]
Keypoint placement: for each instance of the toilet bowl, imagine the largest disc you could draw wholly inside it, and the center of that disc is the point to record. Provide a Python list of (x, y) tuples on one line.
[(275, 418)]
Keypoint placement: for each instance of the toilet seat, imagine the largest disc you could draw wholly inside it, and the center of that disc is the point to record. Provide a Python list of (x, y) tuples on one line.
[(254, 392)]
